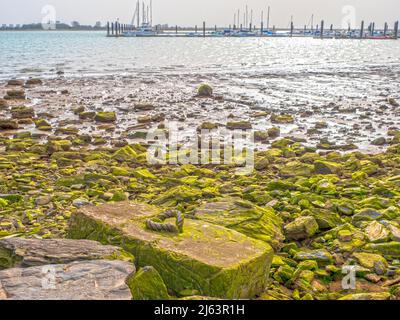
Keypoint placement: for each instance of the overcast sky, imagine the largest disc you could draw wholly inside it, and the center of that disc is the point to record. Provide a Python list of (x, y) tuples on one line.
[(191, 12)]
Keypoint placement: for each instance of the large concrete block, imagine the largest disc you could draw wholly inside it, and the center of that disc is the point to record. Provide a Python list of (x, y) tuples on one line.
[(206, 258)]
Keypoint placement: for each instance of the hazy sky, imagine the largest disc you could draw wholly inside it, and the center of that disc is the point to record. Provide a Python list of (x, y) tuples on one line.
[(191, 12)]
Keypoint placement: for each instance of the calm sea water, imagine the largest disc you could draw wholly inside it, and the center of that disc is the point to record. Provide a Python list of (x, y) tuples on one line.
[(26, 54)]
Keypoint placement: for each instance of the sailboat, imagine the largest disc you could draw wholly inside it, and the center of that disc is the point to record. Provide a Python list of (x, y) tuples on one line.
[(144, 29)]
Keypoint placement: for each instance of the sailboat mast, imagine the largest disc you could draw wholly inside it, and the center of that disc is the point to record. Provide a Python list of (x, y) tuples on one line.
[(247, 17), (312, 22), (151, 12), (143, 13), (138, 14)]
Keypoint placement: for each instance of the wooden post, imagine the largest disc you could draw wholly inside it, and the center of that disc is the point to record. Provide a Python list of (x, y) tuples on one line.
[(385, 29), (262, 27), (396, 30), (322, 29), (108, 28), (112, 28), (362, 30), (331, 27), (241, 27), (215, 28), (195, 28), (176, 29), (291, 29), (373, 29), (204, 29)]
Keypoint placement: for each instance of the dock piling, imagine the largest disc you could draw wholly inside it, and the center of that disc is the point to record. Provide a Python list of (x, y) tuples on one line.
[(396, 30), (362, 30), (108, 29), (204, 29), (291, 29), (112, 28), (385, 29), (322, 29)]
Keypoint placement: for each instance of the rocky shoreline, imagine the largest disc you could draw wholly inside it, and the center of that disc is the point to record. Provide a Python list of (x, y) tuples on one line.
[(320, 206)]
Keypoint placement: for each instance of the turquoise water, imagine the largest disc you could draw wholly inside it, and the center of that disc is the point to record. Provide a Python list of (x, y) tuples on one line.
[(25, 54)]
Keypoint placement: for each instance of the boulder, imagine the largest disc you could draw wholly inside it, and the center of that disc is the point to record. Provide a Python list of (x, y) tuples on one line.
[(105, 117), (18, 252), (15, 94), (319, 255), (282, 118), (325, 167), (8, 124), (144, 106), (22, 112), (377, 232), (239, 125), (367, 296), (297, 168), (213, 260), (147, 284), (34, 82), (3, 104), (245, 217), (82, 280), (301, 228), (205, 90), (374, 262), (15, 82)]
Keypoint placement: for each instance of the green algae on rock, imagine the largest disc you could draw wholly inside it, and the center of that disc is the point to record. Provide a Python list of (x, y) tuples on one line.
[(212, 259), (301, 228), (205, 90), (105, 117), (147, 284), (245, 217)]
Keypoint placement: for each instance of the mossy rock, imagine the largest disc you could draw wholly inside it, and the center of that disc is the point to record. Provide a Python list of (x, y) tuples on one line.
[(8, 124), (367, 296), (296, 168), (371, 261), (245, 217), (239, 125), (326, 167), (282, 118), (205, 90), (211, 259), (125, 154), (105, 117), (147, 284), (179, 194), (301, 228), (389, 249), (22, 112)]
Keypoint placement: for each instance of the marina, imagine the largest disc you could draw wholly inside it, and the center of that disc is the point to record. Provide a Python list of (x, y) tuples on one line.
[(141, 25)]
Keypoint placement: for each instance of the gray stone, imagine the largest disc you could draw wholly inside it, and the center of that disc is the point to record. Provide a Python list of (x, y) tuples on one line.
[(17, 252), (90, 280)]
